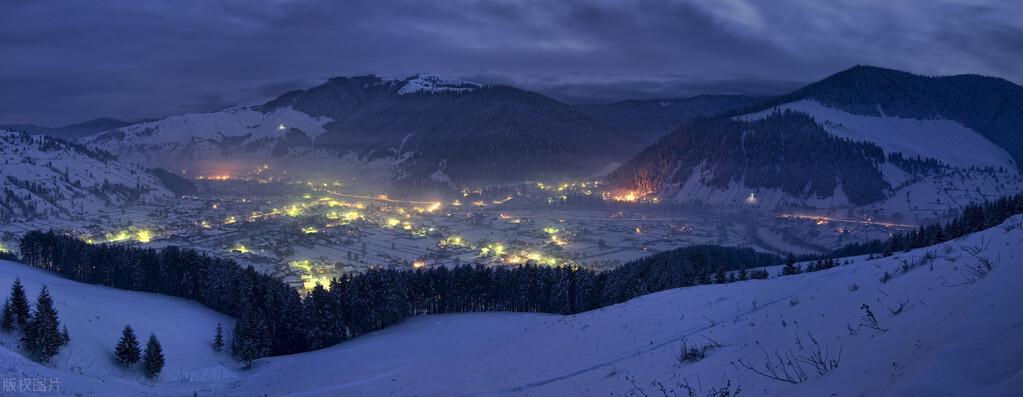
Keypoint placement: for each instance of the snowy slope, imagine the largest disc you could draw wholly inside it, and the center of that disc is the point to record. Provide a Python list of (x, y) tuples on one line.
[(951, 337), (95, 315), (240, 123), (945, 140), (43, 176), (230, 141)]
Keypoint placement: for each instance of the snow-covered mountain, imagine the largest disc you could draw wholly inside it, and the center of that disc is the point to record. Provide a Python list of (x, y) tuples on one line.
[(423, 130), (43, 176), (866, 139), (938, 324)]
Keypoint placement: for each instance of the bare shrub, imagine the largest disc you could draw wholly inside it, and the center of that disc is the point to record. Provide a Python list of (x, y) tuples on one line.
[(783, 368), (869, 320), (693, 352)]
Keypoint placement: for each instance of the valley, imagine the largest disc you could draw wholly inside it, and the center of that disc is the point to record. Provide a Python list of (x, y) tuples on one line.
[(311, 232)]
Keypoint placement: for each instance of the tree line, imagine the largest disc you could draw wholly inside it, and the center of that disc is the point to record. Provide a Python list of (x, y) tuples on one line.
[(273, 319), (974, 218)]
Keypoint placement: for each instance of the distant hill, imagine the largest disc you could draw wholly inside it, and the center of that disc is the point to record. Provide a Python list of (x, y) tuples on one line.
[(876, 139), (423, 130), (651, 119), (71, 131)]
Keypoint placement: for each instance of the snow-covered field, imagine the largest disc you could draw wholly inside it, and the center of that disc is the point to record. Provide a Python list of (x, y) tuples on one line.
[(952, 336)]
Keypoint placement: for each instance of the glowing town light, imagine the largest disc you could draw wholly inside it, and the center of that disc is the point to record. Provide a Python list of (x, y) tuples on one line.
[(392, 222), (351, 216), (550, 230), (3, 248), (281, 127), (751, 199), (230, 220), (122, 235), (293, 211), (309, 230), (418, 264), (144, 236), (303, 265), (205, 224), (239, 248), (627, 197)]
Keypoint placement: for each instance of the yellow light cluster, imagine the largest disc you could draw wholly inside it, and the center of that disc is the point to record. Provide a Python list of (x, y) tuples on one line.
[(524, 257), (140, 235), (240, 248)]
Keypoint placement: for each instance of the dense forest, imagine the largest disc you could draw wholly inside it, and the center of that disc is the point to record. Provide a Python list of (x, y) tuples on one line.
[(786, 150), (273, 319)]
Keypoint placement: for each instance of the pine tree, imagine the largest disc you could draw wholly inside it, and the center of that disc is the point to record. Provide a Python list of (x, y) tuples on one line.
[(251, 336), (152, 361), (7, 322), (19, 303), (218, 338), (790, 266), (42, 333), (127, 350)]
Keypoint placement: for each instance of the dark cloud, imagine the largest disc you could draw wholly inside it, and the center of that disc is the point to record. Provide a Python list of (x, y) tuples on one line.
[(63, 61)]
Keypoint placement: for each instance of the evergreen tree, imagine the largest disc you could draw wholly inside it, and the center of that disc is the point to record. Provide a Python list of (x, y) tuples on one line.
[(251, 336), (218, 338), (7, 322), (790, 266), (19, 303), (152, 361), (127, 350), (42, 333)]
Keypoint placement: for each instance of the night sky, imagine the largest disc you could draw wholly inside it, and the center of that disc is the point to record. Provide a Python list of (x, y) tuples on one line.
[(68, 61)]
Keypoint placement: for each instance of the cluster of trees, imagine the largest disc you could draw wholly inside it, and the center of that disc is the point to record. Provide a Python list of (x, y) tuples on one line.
[(42, 335), (274, 320), (128, 353), (974, 218), (256, 300), (791, 267)]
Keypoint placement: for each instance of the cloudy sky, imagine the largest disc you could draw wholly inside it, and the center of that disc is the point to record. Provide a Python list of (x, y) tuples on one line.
[(63, 61)]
